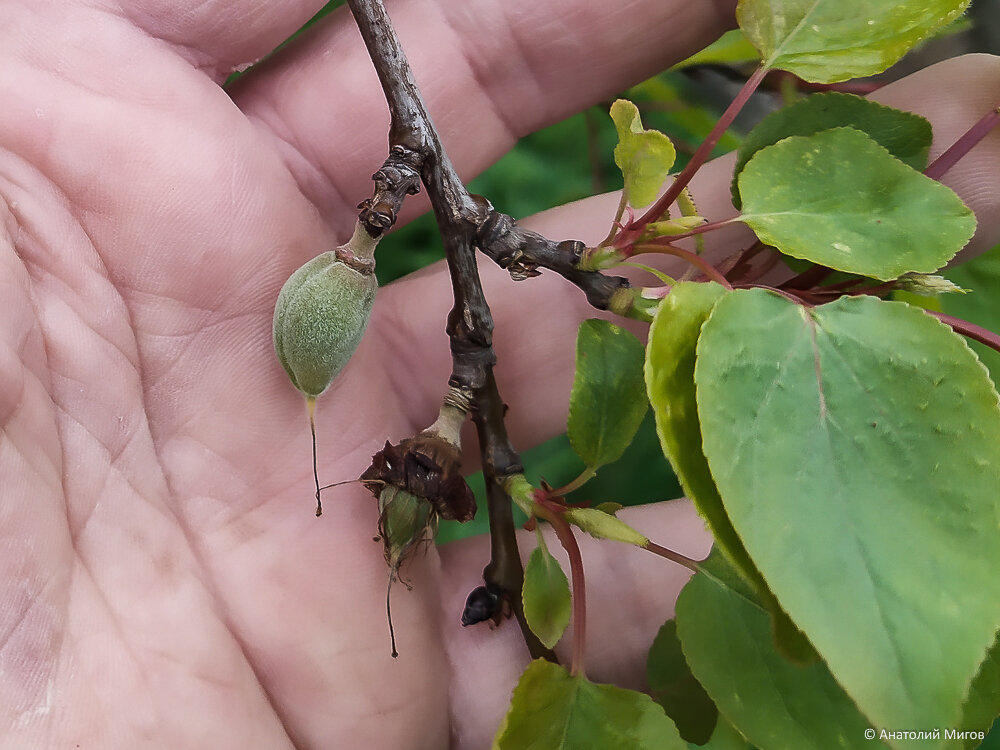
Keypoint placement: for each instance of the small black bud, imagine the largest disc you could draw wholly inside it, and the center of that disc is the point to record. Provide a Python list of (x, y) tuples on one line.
[(481, 605)]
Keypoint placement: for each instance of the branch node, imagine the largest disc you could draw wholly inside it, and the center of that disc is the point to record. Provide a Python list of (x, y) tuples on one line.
[(398, 177), (459, 398)]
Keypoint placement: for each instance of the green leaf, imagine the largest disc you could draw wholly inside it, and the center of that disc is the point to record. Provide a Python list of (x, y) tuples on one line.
[(644, 156), (553, 710), (674, 687), (725, 737), (832, 40), (669, 370), (983, 703), (732, 48), (856, 447), (685, 108), (903, 134), (546, 596), (670, 361), (839, 199), (725, 632), (982, 305), (608, 400), (602, 525)]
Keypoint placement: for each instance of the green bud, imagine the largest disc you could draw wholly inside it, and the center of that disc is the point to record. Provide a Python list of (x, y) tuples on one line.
[(668, 227), (927, 284), (601, 257), (632, 302), (322, 312), (405, 522), (603, 525), (521, 491)]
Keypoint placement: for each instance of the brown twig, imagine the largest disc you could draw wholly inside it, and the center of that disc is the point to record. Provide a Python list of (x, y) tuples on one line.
[(398, 177), (460, 218), (522, 252)]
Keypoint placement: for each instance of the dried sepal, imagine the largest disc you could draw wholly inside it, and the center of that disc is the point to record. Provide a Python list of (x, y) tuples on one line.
[(426, 466)]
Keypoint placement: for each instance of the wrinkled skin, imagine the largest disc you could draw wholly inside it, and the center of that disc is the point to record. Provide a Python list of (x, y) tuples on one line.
[(163, 581)]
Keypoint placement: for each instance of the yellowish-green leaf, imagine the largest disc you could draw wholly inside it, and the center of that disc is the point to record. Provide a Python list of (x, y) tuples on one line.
[(856, 447), (644, 156), (905, 135), (732, 48), (546, 596), (670, 365), (833, 40), (670, 357), (839, 199), (554, 710)]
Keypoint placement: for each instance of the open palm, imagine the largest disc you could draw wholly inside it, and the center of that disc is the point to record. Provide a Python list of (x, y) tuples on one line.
[(163, 581)]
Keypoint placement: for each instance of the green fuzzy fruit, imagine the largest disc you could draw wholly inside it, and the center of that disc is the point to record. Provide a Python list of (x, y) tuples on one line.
[(319, 319)]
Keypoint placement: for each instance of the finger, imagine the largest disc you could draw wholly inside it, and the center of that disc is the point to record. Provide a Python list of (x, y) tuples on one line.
[(536, 320), (490, 72), (219, 36), (630, 593)]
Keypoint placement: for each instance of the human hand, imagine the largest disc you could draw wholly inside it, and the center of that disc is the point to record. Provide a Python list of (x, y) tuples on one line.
[(164, 582)]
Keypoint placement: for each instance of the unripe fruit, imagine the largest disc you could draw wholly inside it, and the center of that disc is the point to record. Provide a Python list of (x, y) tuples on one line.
[(322, 312), (320, 316), (405, 522)]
